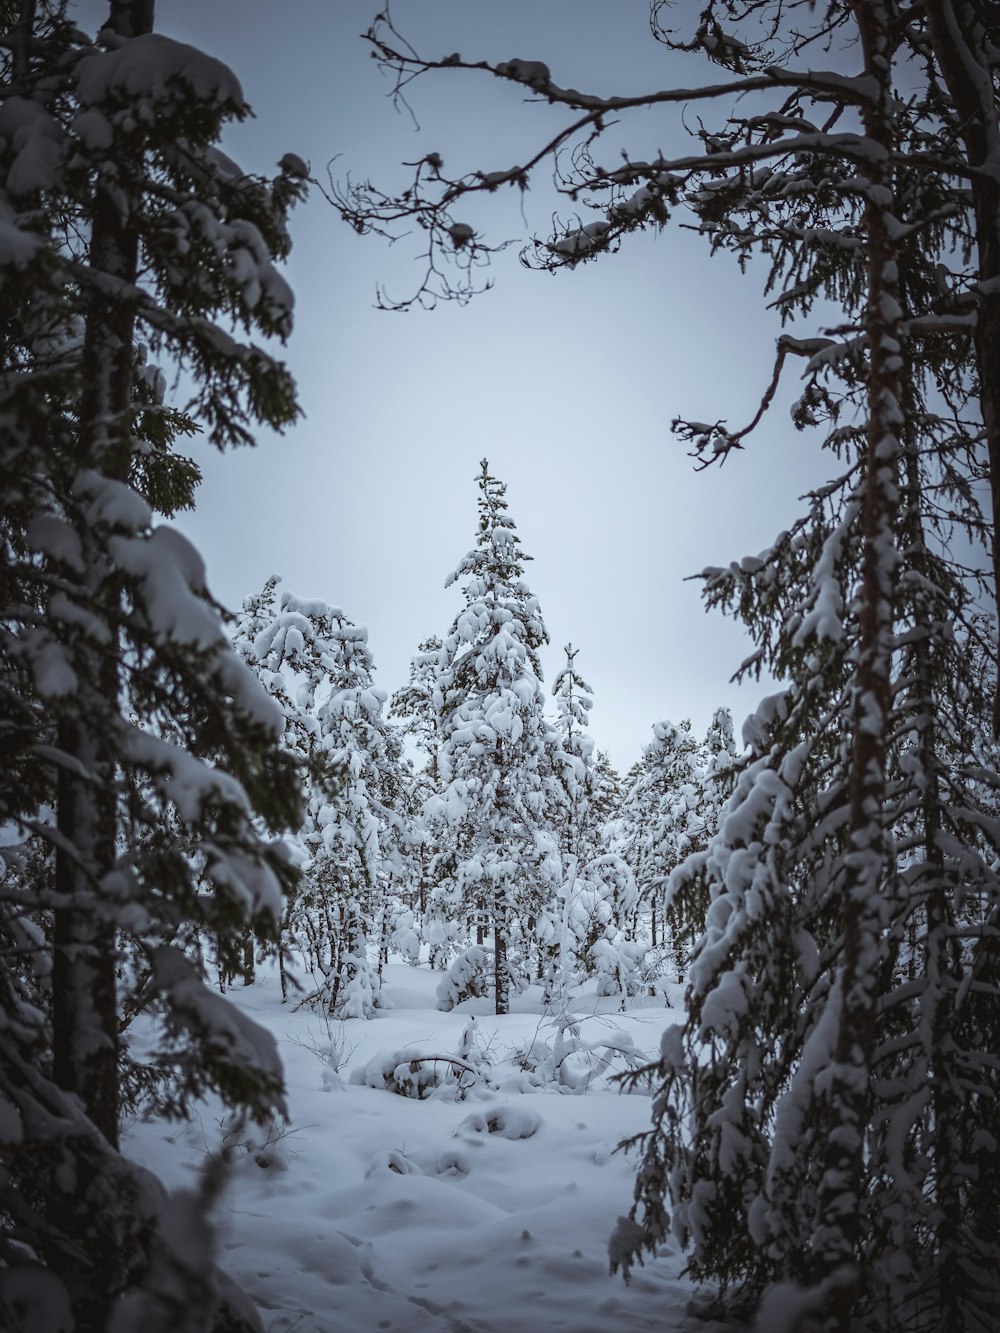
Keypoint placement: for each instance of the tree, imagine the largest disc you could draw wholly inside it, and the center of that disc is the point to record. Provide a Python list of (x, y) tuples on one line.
[(574, 700), (774, 1149), (353, 838), (497, 861), (141, 784), (606, 794), (578, 915), (416, 706), (414, 703), (701, 790), (666, 820)]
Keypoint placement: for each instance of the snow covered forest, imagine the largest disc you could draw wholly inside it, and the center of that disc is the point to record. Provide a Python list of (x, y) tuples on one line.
[(327, 1007)]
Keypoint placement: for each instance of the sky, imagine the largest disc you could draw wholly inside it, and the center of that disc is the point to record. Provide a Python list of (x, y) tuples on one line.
[(566, 383)]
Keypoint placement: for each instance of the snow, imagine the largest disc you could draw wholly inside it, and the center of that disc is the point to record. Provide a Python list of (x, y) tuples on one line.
[(532, 72), (236, 1038), (154, 70), (373, 1210), (17, 247), (191, 783), (36, 140)]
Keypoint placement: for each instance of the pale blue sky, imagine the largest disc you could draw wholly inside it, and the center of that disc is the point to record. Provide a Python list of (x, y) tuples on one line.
[(567, 383)]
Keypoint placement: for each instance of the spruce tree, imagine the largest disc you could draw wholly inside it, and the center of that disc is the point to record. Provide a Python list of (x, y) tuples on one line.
[(498, 862), (574, 700), (354, 842), (794, 1141), (705, 785), (416, 706), (141, 775), (665, 823)]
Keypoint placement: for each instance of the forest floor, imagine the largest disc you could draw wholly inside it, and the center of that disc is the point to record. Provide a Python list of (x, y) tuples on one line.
[(491, 1213)]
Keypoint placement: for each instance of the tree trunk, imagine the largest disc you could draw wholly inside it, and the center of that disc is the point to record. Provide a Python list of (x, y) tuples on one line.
[(501, 975), (84, 1008), (855, 992)]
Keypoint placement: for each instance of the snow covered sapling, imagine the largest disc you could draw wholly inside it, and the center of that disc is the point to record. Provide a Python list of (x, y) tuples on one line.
[(468, 977), (571, 1062), (422, 1074), (332, 1049)]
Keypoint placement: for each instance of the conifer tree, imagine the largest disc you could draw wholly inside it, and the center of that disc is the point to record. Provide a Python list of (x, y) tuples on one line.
[(416, 703), (416, 706), (793, 1137), (694, 819), (141, 774), (577, 916), (574, 700), (606, 796), (665, 823), (498, 861), (354, 841)]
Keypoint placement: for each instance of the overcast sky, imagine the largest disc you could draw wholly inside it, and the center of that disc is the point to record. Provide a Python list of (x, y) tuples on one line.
[(566, 383)]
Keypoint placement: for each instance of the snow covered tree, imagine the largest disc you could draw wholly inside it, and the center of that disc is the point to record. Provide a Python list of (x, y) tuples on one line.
[(415, 705), (663, 823), (359, 838), (699, 795), (497, 861), (354, 841), (813, 1127), (574, 700), (141, 785), (570, 925), (605, 796), (821, 879)]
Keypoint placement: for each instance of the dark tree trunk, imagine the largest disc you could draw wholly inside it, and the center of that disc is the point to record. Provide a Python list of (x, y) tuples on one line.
[(84, 1008), (841, 1188), (501, 975)]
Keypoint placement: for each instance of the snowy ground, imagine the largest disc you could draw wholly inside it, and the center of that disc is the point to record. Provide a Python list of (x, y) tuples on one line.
[(382, 1212)]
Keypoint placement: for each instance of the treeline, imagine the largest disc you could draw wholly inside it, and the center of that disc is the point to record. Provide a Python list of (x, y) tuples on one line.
[(466, 818)]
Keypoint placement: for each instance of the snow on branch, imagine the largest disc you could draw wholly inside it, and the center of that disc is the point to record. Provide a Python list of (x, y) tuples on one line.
[(455, 252)]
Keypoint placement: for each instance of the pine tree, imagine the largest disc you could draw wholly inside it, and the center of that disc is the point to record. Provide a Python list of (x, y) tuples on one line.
[(415, 703), (354, 841), (574, 700), (693, 820), (141, 774), (833, 866), (792, 1131), (665, 823), (416, 706), (606, 796), (571, 925), (497, 860)]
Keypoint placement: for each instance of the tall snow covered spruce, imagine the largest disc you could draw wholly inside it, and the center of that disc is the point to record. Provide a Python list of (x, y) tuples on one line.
[(497, 862), (815, 1134), (141, 788)]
